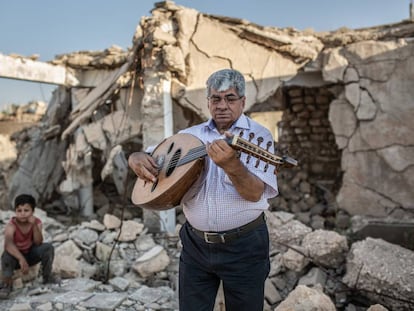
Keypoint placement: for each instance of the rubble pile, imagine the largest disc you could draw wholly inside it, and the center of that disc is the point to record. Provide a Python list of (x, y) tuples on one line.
[(117, 264), (30, 112), (109, 58)]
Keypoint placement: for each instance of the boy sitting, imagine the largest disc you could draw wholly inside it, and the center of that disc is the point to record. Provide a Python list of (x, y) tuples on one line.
[(23, 245)]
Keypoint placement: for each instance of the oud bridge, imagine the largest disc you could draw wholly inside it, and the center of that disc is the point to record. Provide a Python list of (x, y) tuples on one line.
[(159, 160)]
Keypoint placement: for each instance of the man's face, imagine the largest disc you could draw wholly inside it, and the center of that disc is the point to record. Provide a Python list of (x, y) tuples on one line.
[(225, 107)]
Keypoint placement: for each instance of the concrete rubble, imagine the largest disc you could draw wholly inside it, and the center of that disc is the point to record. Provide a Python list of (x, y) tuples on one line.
[(340, 103), (101, 270)]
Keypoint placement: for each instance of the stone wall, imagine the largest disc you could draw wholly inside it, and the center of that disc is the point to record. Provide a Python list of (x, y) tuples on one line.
[(306, 134), (372, 121)]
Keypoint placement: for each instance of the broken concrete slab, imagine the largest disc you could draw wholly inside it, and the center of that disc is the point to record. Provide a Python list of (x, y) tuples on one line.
[(382, 271)]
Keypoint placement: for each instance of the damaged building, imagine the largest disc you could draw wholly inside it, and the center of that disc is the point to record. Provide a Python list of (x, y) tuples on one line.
[(340, 103)]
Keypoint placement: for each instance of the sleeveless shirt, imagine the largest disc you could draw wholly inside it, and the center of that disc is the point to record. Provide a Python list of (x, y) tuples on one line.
[(23, 241)]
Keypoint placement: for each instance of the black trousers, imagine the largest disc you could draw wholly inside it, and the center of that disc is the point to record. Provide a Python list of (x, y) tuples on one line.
[(43, 253), (242, 265)]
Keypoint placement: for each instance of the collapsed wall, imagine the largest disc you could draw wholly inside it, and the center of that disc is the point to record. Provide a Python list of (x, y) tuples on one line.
[(371, 120), (345, 99)]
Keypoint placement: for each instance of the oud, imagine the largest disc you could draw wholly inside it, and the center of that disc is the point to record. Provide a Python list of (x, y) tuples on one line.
[(180, 163)]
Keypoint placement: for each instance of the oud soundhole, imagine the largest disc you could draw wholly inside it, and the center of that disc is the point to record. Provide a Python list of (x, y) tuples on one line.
[(173, 163), (154, 185), (170, 147)]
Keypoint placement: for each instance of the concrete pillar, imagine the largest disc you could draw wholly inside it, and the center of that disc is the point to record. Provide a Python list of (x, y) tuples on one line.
[(167, 217), (86, 191), (411, 11), (157, 124), (86, 200)]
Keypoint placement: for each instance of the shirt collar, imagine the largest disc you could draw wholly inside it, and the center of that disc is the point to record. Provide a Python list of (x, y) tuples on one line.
[(241, 123)]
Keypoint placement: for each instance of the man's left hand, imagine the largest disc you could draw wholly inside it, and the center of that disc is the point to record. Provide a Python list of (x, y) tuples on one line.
[(221, 153)]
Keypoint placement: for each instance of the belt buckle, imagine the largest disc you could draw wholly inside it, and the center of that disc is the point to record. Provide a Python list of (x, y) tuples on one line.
[(208, 234)]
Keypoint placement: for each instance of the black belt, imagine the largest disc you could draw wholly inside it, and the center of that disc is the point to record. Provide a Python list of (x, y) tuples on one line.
[(227, 236)]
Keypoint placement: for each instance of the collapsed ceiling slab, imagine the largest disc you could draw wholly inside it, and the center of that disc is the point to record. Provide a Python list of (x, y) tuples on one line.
[(20, 68)]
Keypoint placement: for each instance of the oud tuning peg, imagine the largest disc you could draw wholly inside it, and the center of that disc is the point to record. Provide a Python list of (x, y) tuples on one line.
[(241, 133), (259, 140), (266, 167), (251, 136), (269, 143)]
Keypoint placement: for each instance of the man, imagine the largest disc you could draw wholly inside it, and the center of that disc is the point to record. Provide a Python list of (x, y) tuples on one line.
[(23, 245), (225, 237)]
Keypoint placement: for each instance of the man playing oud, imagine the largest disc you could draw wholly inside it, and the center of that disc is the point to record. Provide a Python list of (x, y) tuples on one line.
[(225, 237)]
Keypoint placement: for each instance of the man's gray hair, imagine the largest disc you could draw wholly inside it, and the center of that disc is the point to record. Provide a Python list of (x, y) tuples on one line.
[(224, 79)]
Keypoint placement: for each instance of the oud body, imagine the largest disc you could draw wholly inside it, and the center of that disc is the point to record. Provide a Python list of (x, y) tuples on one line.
[(180, 162)]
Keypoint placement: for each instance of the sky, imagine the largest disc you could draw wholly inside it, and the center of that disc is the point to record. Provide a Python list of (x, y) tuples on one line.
[(50, 27)]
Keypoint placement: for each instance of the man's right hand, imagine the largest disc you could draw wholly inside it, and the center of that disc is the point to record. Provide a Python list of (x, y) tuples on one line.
[(144, 166)]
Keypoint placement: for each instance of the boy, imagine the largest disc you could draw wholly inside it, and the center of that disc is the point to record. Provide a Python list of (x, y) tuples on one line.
[(23, 245)]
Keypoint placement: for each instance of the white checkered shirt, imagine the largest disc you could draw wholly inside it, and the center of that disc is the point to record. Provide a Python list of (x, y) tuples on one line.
[(212, 203)]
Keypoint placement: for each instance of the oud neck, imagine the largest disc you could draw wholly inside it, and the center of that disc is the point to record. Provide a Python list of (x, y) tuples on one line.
[(193, 154), (248, 147)]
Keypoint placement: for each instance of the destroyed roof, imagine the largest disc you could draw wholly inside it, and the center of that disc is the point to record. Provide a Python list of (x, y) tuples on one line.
[(301, 45)]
